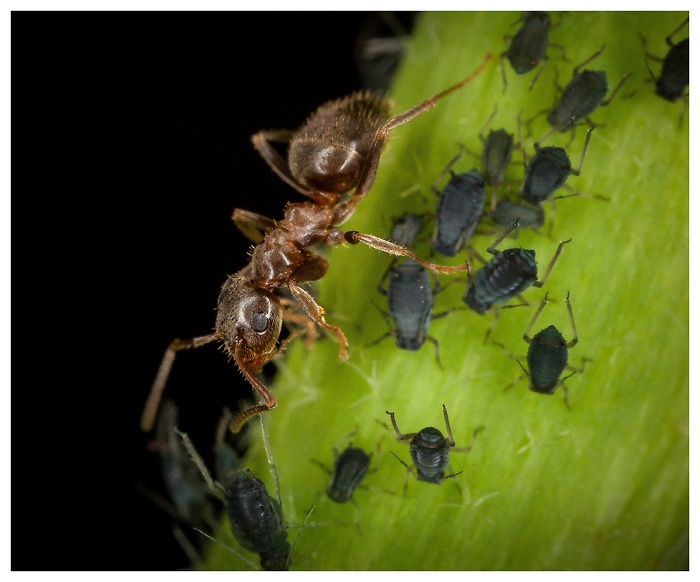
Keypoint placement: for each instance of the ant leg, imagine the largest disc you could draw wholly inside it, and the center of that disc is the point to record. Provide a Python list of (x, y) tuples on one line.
[(308, 330), (385, 246), (370, 170), (315, 312), (261, 142), (253, 225), (148, 416), (246, 368)]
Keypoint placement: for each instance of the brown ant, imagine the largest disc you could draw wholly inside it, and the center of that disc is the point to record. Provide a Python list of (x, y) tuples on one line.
[(336, 150)]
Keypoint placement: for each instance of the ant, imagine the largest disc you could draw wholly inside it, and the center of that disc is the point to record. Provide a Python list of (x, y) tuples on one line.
[(336, 150)]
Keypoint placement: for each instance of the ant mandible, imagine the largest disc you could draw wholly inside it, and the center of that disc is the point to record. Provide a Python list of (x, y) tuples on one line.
[(337, 149)]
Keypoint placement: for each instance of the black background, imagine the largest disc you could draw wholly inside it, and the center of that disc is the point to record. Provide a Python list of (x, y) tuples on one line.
[(130, 149)]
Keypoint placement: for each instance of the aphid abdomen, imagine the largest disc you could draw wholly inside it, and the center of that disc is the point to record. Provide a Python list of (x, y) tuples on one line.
[(256, 521), (547, 358), (581, 97), (349, 470), (430, 453), (410, 302), (458, 212), (546, 173), (505, 276)]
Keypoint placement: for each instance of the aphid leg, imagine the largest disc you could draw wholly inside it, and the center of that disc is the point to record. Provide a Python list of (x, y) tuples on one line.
[(150, 410), (449, 165), (512, 357), (401, 437), (409, 471), (574, 339), (526, 333), (588, 60), (551, 264), (506, 232), (436, 345)]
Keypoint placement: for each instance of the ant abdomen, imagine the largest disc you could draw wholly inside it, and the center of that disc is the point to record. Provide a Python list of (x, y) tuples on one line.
[(330, 150)]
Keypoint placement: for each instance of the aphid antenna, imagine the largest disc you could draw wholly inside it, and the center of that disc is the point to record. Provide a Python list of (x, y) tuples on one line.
[(270, 460), (215, 487), (250, 563)]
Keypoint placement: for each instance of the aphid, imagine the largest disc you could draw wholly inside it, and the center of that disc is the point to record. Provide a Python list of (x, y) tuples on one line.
[(349, 469), (548, 355), (459, 208), (496, 153), (582, 96), (528, 215), (430, 450), (548, 170), (256, 521), (380, 46), (528, 47), (183, 481), (675, 68), (337, 150), (406, 229), (255, 517), (506, 275), (410, 299), (226, 460)]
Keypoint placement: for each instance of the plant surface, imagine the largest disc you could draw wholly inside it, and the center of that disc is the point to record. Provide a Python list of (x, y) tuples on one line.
[(603, 486)]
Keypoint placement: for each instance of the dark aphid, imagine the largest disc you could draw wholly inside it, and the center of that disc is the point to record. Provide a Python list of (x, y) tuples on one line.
[(405, 229), (528, 215), (459, 208), (430, 450), (548, 355), (548, 170), (410, 299), (226, 460), (183, 481), (582, 96), (496, 153), (529, 46), (256, 521), (674, 69), (380, 45), (506, 275), (254, 516), (349, 468)]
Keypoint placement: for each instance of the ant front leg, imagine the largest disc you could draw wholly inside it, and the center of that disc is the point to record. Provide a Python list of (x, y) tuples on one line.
[(385, 246), (148, 417), (315, 312), (248, 367)]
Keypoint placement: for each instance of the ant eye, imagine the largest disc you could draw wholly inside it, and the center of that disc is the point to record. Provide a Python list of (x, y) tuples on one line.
[(259, 322)]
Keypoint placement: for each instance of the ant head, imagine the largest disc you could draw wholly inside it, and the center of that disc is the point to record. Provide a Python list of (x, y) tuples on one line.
[(249, 319)]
